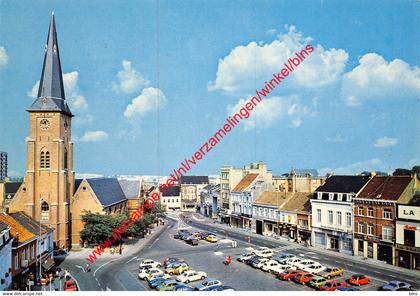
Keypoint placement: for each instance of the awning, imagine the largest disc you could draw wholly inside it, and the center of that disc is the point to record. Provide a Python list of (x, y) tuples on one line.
[(47, 264)]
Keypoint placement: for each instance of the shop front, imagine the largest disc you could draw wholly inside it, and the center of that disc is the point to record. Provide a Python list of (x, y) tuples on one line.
[(408, 257), (288, 231), (247, 223), (385, 252), (236, 221), (304, 236)]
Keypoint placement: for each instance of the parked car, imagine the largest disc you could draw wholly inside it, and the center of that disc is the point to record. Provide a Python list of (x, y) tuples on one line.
[(245, 256), (220, 288), (170, 260), (253, 259), (291, 261), (207, 284), (264, 253), (145, 267), (155, 274), (395, 286), (212, 238), (144, 273), (330, 272), (303, 277), (314, 268), (203, 235), (358, 280), (343, 288), (191, 276), (288, 274), (304, 263), (150, 262), (282, 256), (259, 262), (269, 265), (192, 240), (183, 287), (158, 281), (177, 268), (168, 285), (317, 282), (185, 235), (70, 286), (332, 286)]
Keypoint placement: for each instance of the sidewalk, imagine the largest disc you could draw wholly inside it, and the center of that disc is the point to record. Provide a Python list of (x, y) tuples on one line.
[(356, 259)]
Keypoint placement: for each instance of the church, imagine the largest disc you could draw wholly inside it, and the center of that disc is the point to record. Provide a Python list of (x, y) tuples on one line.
[(48, 193)]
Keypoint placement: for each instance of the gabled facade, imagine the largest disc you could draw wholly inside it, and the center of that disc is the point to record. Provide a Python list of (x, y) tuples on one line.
[(375, 212), (209, 200), (171, 198), (332, 212), (191, 187), (265, 213)]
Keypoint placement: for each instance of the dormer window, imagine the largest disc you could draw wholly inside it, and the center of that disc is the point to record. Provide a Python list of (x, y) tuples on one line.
[(349, 197), (340, 196), (319, 195), (331, 196)]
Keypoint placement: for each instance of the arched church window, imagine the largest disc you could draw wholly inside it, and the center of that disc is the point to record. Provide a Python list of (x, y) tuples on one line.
[(42, 162), (65, 158), (45, 211), (47, 160)]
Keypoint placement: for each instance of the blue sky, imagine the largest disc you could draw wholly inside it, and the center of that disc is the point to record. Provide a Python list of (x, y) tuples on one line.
[(150, 81)]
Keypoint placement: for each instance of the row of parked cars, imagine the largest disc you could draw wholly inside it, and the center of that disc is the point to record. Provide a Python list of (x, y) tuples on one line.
[(309, 272), (162, 280), (193, 238)]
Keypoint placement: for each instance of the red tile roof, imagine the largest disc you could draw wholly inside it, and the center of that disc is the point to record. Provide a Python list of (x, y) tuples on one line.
[(385, 187), (245, 182)]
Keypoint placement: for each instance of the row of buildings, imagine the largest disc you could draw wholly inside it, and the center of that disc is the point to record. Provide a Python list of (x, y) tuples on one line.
[(368, 215)]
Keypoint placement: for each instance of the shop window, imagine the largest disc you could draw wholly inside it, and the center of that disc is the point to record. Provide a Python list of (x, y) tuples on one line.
[(409, 238)]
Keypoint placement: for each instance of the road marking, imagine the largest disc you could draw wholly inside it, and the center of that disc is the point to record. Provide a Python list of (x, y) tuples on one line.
[(303, 255), (78, 266), (131, 259), (153, 243), (94, 273)]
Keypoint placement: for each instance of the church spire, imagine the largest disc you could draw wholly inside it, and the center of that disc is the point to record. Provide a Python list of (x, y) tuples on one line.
[(51, 88), (51, 84)]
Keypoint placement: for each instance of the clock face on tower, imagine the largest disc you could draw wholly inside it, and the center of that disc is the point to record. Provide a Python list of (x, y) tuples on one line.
[(44, 124)]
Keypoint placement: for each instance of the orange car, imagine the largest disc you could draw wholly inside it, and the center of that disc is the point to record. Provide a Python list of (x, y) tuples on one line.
[(358, 279), (288, 274), (70, 286), (303, 277)]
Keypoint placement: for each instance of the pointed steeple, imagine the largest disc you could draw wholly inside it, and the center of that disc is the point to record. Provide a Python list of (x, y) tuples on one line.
[(51, 95)]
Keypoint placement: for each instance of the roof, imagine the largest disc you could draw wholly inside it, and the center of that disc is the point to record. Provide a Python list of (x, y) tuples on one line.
[(343, 184), (12, 187), (385, 187), (245, 182), (271, 198), (172, 191), (131, 188), (194, 180), (29, 223), (17, 229), (51, 87), (304, 172), (3, 226), (298, 202), (107, 190)]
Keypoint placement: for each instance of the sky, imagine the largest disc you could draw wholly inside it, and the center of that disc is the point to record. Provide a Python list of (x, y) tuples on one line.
[(150, 81)]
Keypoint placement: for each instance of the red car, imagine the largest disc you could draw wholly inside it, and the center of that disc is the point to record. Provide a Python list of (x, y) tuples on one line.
[(332, 286), (358, 280), (303, 277), (70, 286), (287, 275)]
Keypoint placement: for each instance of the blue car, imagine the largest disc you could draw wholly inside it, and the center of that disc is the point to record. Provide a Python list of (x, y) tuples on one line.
[(394, 286), (208, 284), (347, 289), (183, 287), (156, 282)]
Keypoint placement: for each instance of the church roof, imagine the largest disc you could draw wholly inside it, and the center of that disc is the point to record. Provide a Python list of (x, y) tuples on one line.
[(131, 188), (51, 95), (107, 190)]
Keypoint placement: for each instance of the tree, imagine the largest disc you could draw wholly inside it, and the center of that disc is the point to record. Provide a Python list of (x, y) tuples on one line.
[(97, 227)]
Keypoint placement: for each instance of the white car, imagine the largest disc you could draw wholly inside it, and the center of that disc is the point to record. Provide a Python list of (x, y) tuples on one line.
[(304, 263), (209, 283), (291, 261), (266, 252), (191, 275), (245, 257), (274, 266), (144, 273), (150, 262), (314, 268), (156, 275), (260, 262)]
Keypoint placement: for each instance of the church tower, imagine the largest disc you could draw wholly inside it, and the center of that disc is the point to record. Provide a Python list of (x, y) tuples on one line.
[(46, 191)]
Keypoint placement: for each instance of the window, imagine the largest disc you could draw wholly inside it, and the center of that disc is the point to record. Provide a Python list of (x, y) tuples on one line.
[(271, 213), (339, 218), (370, 229), (318, 215), (65, 158), (348, 219), (330, 196), (45, 159), (260, 210), (319, 195), (16, 261), (340, 196), (349, 197), (387, 233), (32, 252), (370, 212), (360, 211), (45, 211), (360, 227), (265, 212), (225, 176), (387, 214), (330, 217), (255, 211)]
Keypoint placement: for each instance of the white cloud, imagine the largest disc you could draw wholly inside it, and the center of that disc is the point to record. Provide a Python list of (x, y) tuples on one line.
[(151, 99), (3, 56), (129, 80), (271, 31), (374, 77), (370, 165), (271, 110), (247, 67), (94, 136), (386, 142), (337, 139)]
